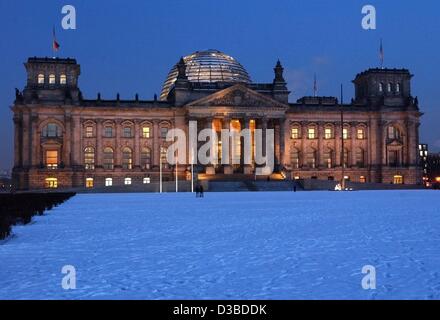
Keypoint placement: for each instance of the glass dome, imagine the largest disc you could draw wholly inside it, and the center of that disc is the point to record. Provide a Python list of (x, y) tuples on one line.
[(208, 66)]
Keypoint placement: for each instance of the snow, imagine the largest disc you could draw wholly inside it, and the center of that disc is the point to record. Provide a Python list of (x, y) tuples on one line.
[(274, 245)]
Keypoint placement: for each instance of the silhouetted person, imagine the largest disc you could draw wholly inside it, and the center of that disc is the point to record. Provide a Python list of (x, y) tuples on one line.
[(201, 191), (294, 188)]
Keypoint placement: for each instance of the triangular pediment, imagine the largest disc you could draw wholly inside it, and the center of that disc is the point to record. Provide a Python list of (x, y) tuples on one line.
[(237, 96), (395, 143)]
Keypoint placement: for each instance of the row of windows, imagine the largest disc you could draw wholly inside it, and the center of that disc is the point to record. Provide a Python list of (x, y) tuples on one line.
[(41, 79), (390, 87), (312, 133), (127, 132), (310, 158), (52, 183), (397, 179)]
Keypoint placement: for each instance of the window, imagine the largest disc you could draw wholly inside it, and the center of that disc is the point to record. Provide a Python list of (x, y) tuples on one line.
[(345, 133), (52, 159), (147, 180), (311, 133), (398, 87), (89, 132), (163, 154), (328, 133), (328, 158), (108, 159), (89, 158), (163, 132), (398, 179), (52, 79), (51, 130), (362, 179), (108, 132), (390, 87), (41, 78), (127, 132), (294, 133), (380, 87), (311, 158), (360, 161), (346, 154), (127, 159), (146, 132), (393, 133), (51, 183), (127, 181), (393, 158), (294, 158), (63, 79), (145, 158), (108, 182), (89, 183), (360, 134)]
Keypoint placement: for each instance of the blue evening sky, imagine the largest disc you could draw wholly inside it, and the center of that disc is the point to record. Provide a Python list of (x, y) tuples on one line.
[(129, 46)]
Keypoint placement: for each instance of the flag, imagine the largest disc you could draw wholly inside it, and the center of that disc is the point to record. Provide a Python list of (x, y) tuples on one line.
[(55, 44), (381, 54)]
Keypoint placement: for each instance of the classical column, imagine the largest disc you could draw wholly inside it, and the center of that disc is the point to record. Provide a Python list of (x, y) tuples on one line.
[(338, 144), (67, 141), (76, 141), (304, 127), (118, 160), (137, 146), (353, 143), (34, 149), (26, 139), (18, 148), (156, 143), (282, 142), (320, 153), (99, 148)]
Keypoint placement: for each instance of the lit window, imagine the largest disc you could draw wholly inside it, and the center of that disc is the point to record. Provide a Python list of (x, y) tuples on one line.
[(108, 158), (41, 79), (390, 87), (89, 158), (398, 179), (108, 132), (347, 178), (345, 133), (393, 133), (147, 180), (63, 79), (163, 132), (52, 79), (127, 181), (398, 87), (89, 132), (89, 183), (163, 154), (328, 133), (380, 87), (51, 183), (127, 159), (127, 132), (311, 133), (295, 133), (145, 132), (52, 159), (362, 179), (146, 158), (51, 130), (360, 134), (294, 158), (108, 182)]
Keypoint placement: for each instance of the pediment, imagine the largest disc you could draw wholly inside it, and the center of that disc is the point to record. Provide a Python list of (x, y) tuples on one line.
[(237, 96), (395, 143)]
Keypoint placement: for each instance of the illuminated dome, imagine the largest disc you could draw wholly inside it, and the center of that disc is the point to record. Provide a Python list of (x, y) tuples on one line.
[(208, 66)]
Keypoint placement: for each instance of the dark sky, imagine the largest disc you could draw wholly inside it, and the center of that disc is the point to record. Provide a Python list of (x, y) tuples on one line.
[(129, 46)]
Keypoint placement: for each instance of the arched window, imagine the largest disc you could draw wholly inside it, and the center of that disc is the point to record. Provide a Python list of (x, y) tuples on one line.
[(360, 134), (127, 133), (52, 130), (393, 133), (89, 158), (51, 79), (345, 133), (328, 133), (127, 158), (328, 158), (294, 158), (146, 158), (346, 157), (390, 87), (311, 158), (381, 87), (146, 132), (360, 157), (41, 78), (311, 133), (294, 133), (63, 79), (398, 87), (108, 158)]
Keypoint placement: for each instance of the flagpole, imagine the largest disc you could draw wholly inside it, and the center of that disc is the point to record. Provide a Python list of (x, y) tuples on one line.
[(192, 171), (177, 178), (160, 175)]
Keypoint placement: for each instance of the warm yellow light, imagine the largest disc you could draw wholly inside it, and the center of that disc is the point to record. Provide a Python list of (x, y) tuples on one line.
[(437, 179)]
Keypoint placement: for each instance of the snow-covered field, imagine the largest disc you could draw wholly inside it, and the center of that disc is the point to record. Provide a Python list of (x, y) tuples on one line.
[(279, 245)]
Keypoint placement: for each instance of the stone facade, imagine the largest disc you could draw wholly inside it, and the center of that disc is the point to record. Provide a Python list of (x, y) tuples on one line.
[(64, 140)]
